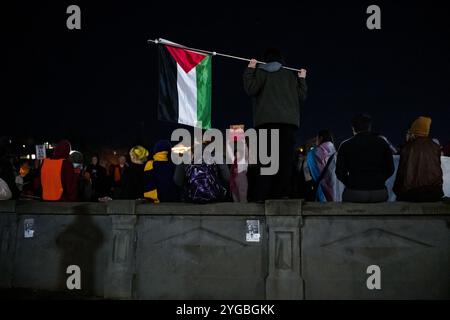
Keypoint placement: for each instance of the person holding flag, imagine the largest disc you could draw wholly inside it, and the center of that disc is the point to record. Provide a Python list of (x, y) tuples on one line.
[(277, 94)]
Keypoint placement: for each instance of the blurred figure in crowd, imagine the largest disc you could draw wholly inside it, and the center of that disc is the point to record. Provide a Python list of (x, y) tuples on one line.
[(446, 150), (31, 180), (24, 170), (132, 181), (7, 170), (116, 173), (76, 158), (303, 187), (84, 183), (238, 151), (321, 164), (98, 178)]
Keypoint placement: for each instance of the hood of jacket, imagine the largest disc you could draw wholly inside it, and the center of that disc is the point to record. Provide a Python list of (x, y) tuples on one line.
[(327, 147), (62, 150), (271, 66)]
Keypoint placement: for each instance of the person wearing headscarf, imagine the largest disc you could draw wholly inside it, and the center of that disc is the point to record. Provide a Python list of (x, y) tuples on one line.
[(321, 163), (419, 175)]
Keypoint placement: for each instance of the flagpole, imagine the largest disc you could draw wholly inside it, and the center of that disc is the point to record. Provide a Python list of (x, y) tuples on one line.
[(213, 53)]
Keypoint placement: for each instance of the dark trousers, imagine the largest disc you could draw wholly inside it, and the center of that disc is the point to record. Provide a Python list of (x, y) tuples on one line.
[(423, 194), (365, 196), (279, 185)]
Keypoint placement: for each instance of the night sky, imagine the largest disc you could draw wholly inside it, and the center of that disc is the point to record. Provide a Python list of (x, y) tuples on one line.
[(98, 86)]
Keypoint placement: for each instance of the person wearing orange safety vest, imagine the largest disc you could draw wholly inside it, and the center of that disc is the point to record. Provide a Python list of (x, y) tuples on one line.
[(58, 178)]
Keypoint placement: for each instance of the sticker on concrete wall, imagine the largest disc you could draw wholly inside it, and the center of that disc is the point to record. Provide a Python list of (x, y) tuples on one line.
[(253, 231), (28, 228)]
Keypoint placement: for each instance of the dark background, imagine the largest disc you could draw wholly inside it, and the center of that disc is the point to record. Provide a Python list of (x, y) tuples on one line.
[(98, 86)]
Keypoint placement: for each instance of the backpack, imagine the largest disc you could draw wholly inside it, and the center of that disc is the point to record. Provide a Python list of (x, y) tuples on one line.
[(203, 184)]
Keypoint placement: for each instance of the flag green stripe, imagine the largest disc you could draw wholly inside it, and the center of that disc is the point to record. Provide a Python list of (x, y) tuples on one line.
[(203, 71)]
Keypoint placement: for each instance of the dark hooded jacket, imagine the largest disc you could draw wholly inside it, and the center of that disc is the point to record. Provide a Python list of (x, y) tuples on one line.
[(276, 93), (68, 176), (132, 182), (99, 180)]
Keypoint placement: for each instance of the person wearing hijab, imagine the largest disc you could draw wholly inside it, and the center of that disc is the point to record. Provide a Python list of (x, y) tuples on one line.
[(321, 164)]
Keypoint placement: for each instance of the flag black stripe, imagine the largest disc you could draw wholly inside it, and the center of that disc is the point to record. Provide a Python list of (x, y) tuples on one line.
[(168, 93)]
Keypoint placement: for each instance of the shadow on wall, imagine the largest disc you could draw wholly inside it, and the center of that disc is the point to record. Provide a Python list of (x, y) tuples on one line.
[(78, 245)]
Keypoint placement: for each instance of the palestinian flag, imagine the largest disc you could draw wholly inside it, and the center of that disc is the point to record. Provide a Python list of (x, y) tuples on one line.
[(184, 87)]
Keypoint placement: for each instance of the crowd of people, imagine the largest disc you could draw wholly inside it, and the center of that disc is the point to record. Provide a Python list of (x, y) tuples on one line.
[(365, 162), (362, 163)]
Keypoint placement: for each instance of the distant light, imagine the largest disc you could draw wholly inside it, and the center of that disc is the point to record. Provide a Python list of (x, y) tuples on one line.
[(24, 146), (28, 156), (10, 141), (33, 156), (115, 152), (180, 149)]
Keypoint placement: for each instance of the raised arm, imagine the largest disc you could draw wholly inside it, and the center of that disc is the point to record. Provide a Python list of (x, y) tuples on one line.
[(253, 82), (302, 87)]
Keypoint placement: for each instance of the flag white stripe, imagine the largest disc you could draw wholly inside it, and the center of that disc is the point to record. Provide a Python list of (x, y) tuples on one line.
[(187, 96)]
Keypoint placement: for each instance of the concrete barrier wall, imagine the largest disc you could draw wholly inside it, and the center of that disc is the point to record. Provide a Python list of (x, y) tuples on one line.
[(132, 250)]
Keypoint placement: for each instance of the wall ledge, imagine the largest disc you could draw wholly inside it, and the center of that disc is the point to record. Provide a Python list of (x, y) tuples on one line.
[(270, 208)]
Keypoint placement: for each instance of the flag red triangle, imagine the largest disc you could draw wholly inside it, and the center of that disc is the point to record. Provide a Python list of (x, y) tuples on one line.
[(186, 59)]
